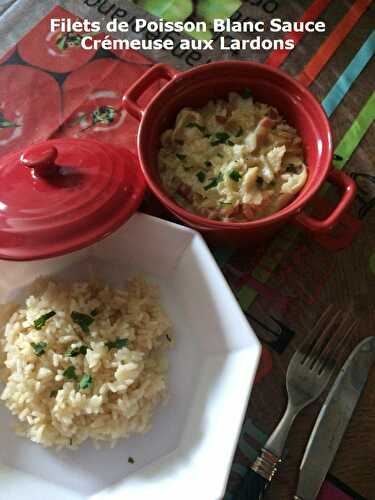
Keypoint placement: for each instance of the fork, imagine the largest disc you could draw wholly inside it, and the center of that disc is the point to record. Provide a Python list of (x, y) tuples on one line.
[(309, 372)]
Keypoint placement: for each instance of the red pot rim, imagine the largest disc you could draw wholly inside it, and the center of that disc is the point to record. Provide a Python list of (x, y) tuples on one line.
[(291, 209)]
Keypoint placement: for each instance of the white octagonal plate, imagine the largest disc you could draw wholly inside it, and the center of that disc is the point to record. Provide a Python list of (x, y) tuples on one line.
[(188, 452)]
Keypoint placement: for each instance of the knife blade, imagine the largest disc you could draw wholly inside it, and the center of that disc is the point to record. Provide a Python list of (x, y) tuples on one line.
[(333, 420)]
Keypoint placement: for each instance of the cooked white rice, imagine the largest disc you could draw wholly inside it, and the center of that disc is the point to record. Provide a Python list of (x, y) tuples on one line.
[(126, 383)]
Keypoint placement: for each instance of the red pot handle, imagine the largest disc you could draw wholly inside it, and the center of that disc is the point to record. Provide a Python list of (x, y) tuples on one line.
[(344, 182), (157, 72)]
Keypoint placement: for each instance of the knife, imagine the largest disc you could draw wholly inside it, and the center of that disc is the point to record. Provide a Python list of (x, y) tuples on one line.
[(333, 420)]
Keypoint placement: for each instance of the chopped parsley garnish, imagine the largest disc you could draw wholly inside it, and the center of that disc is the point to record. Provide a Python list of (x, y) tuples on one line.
[(39, 348), (117, 344), (85, 382), (76, 351), (94, 312), (180, 157), (53, 393), (246, 93), (40, 322), (70, 373), (196, 125), (292, 169), (208, 163), (201, 176), (131, 460), (230, 143), (214, 182), (259, 181), (220, 155), (169, 338), (83, 320), (338, 157), (240, 132), (220, 138), (235, 175)]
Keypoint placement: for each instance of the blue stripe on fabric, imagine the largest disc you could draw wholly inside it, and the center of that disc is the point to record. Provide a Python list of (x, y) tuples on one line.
[(351, 73)]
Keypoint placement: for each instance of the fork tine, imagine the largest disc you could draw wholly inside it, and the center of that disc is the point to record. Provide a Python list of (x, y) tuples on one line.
[(323, 339), (333, 351), (310, 340)]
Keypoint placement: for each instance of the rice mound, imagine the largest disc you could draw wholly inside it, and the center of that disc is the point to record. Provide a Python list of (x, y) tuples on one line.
[(101, 384)]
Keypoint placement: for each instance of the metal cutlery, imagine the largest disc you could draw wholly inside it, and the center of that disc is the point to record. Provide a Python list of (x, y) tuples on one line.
[(333, 420), (308, 373)]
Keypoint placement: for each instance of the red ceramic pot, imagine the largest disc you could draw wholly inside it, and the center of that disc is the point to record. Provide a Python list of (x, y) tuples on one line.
[(197, 86)]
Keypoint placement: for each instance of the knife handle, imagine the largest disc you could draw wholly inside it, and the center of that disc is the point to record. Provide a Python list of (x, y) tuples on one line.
[(258, 477), (252, 487)]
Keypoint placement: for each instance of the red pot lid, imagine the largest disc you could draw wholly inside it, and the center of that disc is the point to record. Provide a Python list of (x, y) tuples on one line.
[(64, 194)]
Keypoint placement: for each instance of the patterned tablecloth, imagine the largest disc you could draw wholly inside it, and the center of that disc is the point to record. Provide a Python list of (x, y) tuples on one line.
[(284, 286)]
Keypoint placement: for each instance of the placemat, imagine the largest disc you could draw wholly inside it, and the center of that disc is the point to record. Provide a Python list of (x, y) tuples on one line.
[(284, 285)]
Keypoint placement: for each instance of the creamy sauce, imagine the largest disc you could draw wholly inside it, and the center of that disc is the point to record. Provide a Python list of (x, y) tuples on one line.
[(234, 159)]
